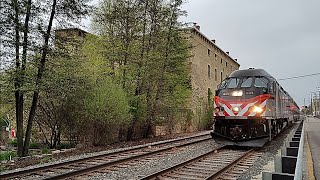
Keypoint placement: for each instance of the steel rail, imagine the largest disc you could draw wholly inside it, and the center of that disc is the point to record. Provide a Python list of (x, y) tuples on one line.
[(60, 164), (232, 164), (155, 175), (112, 163), (196, 159)]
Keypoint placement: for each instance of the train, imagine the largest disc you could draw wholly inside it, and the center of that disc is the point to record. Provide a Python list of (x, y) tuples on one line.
[(251, 104)]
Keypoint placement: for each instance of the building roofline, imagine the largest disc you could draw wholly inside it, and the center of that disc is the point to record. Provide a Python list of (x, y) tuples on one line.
[(204, 36), (65, 29)]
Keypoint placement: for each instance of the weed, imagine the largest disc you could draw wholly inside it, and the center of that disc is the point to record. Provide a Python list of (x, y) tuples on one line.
[(7, 155)]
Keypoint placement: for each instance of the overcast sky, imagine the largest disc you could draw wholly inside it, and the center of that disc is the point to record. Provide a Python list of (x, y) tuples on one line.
[(280, 36)]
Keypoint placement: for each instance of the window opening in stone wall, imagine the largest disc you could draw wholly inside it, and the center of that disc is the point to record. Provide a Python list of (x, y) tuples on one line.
[(226, 63), (221, 77), (215, 75), (221, 60), (209, 71), (208, 52)]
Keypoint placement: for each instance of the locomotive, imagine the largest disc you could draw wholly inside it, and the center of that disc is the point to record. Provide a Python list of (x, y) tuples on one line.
[(251, 104)]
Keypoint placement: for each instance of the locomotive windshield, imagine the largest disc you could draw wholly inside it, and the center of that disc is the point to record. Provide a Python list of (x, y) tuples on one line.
[(261, 82), (244, 82), (233, 83)]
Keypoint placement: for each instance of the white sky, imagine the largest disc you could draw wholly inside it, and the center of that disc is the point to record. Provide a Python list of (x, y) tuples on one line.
[(280, 36)]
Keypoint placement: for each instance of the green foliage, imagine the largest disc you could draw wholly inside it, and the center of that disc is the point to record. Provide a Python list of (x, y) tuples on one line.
[(45, 151), (46, 159), (6, 96), (65, 146), (133, 72), (7, 155), (150, 55), (13, 143), (107, 102), (206, 119), (34, 145), (107, 109)]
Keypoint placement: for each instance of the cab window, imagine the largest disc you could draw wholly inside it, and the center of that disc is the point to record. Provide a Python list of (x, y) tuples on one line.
[(246, 82), (261, 82), (223, 84), (233, 82)]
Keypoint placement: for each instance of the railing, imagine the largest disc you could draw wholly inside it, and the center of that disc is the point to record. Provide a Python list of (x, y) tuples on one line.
[(299, 164)]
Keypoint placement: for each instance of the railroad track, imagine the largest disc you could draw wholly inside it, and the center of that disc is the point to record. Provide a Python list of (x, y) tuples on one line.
[(104, 163), (222, 163)]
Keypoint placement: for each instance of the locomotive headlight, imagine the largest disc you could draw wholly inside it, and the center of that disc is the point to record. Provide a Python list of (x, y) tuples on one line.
[(236, 109), (237, 93), (257, 109)]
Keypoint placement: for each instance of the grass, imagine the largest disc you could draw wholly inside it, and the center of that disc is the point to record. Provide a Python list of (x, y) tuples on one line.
[(7, 155)]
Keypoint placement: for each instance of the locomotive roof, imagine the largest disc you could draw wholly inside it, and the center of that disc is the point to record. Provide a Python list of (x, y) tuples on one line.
[(250, 72)]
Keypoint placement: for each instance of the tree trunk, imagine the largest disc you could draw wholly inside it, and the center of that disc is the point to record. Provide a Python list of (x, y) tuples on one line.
[(17, 81), (38, 80), (139, 83)]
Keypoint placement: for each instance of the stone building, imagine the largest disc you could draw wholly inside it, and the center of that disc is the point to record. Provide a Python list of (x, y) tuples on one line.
[(69, 39), (209, 65), (70, 33)]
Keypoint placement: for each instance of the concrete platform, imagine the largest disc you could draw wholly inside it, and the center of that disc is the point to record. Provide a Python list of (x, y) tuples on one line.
[(312, 147)]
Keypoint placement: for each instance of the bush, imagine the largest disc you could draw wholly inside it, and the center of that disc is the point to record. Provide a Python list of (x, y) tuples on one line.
[(6, 155), (45, 151), (34, 145), (107, 109), (65, 146), (14, 143)]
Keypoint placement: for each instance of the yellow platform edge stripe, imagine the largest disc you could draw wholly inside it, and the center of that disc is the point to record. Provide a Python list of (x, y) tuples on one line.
[(310, 162)]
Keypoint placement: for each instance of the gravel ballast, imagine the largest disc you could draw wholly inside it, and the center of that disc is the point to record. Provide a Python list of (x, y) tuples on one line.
[(266, 161), (178, 155), (32, 162), (147, 168)]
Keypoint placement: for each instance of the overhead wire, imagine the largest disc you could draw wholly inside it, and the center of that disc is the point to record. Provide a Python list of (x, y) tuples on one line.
[(302, 76)]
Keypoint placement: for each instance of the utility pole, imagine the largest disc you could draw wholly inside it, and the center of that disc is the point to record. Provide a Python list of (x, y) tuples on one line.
[(304, 107), (315, 104), (318, 90), (311, 106)]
